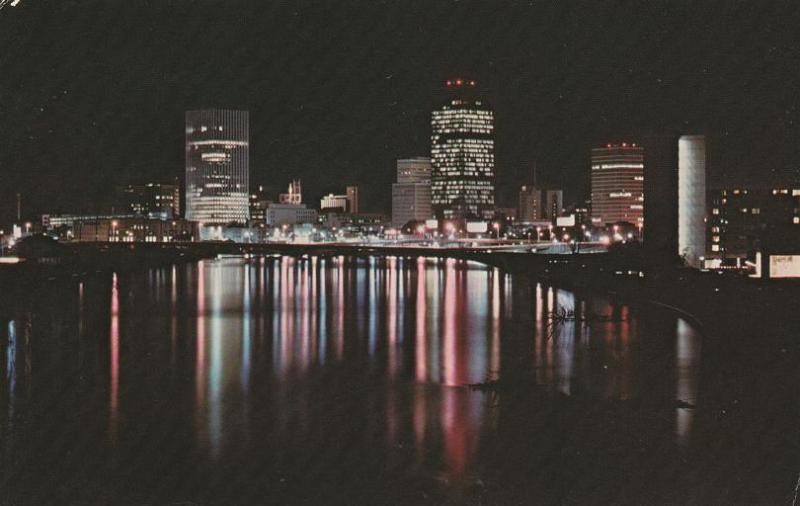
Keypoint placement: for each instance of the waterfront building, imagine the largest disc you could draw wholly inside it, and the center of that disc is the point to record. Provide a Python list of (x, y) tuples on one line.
[(462, 155), (692, 199), (155, 200), (129, 229), (411, 194), (289, 214), (742, 216), (617, 184), (217, 166)]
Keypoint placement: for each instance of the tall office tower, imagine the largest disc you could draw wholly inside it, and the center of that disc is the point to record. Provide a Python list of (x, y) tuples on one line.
[(462, 153), (530, 204), (352, 198), (692, 199), (217, 166), (553, 201), (617, 180), (294, 194), (660, 200), (537, 204), (411, 194)]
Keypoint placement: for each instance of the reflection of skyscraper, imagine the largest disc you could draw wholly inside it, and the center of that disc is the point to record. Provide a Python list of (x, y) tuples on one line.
[(217, 166), (617, 178), (692, 199), (462, 153)]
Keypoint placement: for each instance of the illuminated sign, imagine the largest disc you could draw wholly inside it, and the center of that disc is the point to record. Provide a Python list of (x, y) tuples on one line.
[(477, 227)]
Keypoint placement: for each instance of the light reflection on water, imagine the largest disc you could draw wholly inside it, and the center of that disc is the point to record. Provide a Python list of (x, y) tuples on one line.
[(263, 356)]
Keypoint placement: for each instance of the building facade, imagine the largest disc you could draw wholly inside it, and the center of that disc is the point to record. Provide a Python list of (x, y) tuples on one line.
[(352, 198), (692, 199), (156, 200), (741, 216), (132, 229), (294, 195), (660, 200), (617, 184), (462, 155), (334, 202), (259, 200), (346, 203), (217, 166), (289, 214), (539, 204), (411, 194)]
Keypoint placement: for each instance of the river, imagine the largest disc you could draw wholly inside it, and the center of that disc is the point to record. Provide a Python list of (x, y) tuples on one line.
[(276, 380)]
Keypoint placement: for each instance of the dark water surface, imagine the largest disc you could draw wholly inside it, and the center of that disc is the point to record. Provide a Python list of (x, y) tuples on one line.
[(345, 381)]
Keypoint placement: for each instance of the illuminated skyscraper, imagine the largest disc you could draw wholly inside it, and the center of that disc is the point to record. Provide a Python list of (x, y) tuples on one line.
[(462, 155), (217, 166), (692, 199), (411, 194), (617, 178)]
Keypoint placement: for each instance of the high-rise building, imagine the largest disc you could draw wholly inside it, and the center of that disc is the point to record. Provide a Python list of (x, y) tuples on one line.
[(692, 199), (660, 200), (259, 200), (530, 204), (411, 194), (539, 204), (742, 215), (553, 204), (294, 195), (617, 181), (462, 155), (217, 166), (352, 198)]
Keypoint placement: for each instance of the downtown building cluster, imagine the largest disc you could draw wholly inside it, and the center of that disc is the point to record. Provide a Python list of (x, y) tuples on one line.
[(650, 189)]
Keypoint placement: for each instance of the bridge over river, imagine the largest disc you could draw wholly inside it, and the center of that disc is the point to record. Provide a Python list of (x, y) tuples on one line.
[(536, 257)]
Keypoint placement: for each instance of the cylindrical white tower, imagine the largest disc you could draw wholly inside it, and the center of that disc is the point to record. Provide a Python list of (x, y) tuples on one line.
[(692, 199)]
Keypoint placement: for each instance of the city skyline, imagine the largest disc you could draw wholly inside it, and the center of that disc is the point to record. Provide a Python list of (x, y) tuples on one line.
[(345, 108), (399, 252)]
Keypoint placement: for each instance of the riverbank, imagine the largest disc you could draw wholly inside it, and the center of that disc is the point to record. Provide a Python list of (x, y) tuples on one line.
[(711, 301)]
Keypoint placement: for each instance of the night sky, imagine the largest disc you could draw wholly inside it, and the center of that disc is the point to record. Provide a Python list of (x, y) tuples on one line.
[(92, 94)]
